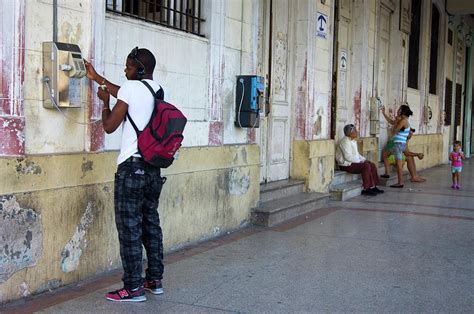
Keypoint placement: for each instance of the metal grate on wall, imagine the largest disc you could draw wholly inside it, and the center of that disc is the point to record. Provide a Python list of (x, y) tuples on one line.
[(434, 50), (457, 112), (448, 102), (184, 15), (414, 45)]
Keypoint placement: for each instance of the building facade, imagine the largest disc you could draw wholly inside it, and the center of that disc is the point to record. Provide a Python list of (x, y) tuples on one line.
[(324, 62)]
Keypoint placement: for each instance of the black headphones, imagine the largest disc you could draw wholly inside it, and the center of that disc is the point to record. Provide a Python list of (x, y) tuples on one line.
[(141, 69)]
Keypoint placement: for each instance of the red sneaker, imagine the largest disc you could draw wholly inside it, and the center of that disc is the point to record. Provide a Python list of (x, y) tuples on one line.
[(126, 295), (154, 286)]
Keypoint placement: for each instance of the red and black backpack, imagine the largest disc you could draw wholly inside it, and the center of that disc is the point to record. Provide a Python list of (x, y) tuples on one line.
[(162, 136)]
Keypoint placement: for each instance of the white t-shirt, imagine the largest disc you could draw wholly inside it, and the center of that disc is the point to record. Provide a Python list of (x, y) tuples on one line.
[(140, 107)]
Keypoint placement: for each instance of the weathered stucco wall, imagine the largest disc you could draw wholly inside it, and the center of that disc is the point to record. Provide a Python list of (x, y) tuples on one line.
[(182, 69), (57, 217), (431, 145), (368, 147), (313, 162), (197, 73), (312, 75), (46, 130)]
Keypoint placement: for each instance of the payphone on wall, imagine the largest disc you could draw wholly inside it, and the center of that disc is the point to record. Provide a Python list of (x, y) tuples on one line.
[(249, 100), (375, 106), (63, 67)]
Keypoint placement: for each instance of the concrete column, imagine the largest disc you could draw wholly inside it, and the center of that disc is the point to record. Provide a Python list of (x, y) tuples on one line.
[(217, 66), (362, 55), (12, 69), (95, 140), (468, 105)]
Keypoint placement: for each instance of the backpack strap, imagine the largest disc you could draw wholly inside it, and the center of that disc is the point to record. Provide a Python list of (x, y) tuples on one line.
[(160, 94)]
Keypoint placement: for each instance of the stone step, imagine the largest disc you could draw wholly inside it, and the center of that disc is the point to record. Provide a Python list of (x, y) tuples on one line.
[(279, 189), (276, 211), (343, 177), (393, 179), (346, 190)]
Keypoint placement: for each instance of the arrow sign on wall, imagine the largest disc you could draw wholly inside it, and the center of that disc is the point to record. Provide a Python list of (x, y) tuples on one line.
[(321, 25)]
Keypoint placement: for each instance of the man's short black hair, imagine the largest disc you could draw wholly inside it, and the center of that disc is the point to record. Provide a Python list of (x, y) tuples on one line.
[(457, 142), (145, 57)]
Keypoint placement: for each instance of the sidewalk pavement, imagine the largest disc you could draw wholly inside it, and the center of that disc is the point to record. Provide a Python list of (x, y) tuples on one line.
[(407, 250)]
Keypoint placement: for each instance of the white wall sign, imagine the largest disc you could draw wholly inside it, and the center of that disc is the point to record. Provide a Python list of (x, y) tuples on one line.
[(343, 60), (321, 25)]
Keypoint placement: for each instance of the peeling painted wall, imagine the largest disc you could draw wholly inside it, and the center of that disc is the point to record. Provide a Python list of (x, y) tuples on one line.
[(62, 229), (312, 79), (198, 74), (47, 131), (21, 237), (72, 252), (237, 181), (12, 70), (313, 162)]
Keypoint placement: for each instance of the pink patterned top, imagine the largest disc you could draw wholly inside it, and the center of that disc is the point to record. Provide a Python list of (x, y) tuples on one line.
[(455, 158)]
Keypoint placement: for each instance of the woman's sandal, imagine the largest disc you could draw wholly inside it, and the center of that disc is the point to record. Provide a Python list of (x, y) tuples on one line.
[(396, 185)]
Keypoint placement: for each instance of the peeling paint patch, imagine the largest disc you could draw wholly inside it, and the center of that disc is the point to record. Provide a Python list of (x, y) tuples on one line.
[(97, 136), (318, 124), (69, 35), (238, 181), (357, 109), (26, 166), (301, 103), (251, 136), (321, 170), (12, 136), (178, 201), (280, 69), (21, 237), (72, 252), (49, 286), (86, 166), (23, 289), (243, 153), (216, 130)]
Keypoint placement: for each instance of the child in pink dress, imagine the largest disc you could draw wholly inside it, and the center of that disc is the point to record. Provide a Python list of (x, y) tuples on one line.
[(456, 158)]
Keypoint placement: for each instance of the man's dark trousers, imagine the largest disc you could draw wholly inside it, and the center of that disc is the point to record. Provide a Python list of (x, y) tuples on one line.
[(136, 196)]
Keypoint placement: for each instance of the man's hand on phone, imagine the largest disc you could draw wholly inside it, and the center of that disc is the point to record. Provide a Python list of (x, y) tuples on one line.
[(91, 73), (103, 95)]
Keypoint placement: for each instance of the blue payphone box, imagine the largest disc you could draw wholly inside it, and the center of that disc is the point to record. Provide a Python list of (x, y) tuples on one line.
[(248, 100)]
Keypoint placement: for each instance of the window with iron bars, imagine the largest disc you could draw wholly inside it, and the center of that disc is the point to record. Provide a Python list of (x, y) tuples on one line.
[(184, 15)]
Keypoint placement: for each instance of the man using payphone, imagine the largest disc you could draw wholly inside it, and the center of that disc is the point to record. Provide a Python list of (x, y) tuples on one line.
[(137, 184)]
